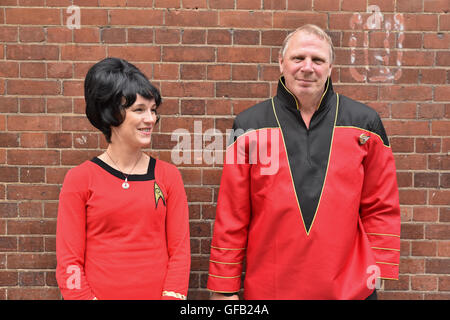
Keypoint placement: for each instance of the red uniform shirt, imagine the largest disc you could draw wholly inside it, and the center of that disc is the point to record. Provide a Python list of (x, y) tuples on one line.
[(113, 243), (312, 213)]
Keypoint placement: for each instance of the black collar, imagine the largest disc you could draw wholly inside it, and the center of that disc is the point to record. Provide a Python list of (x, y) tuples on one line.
[(288, 98)]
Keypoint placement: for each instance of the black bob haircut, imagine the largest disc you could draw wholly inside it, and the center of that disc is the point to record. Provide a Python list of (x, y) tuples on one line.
[(110, 87)]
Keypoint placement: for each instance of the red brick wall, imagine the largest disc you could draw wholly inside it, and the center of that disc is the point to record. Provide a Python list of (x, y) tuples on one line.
[(211, 59)]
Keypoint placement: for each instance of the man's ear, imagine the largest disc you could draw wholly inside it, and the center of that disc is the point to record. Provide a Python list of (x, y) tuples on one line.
[(280, 63)]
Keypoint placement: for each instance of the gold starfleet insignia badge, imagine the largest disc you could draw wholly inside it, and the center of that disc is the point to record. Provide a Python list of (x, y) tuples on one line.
[(158, 195), (363, 139)]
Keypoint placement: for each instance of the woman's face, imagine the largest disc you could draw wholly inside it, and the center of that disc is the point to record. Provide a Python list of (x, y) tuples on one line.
[(137, 127)]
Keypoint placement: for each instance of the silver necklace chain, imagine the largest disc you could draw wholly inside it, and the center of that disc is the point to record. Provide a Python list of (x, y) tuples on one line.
[(125, 185)]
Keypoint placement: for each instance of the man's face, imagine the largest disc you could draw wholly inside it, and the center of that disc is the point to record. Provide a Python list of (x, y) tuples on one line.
[(306, 65)]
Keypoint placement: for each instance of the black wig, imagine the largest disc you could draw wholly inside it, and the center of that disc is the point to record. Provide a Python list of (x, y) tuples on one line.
[(110, 87)]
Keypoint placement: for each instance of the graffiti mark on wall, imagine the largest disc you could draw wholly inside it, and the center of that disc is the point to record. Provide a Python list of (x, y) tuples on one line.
[(382, 70)]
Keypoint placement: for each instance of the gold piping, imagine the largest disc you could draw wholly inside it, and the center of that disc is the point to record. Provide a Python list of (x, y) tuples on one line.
[(212, 275), (173, 294), (326, 172), (389, 263), (383, 234), (220, 262), (389, 249), (227, 248)]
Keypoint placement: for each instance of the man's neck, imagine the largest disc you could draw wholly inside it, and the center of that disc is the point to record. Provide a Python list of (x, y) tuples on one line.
[(307, 107)]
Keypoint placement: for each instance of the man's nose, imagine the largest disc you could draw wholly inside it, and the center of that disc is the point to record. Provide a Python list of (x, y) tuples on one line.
[(307, 65)]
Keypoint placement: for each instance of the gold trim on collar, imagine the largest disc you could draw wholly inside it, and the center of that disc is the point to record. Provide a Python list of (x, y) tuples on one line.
[(295, 98)]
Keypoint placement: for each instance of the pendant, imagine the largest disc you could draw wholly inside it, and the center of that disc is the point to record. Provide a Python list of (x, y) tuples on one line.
[(125, 185)]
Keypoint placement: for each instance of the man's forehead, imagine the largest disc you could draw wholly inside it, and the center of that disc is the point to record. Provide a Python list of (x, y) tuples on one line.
[(302, 35)]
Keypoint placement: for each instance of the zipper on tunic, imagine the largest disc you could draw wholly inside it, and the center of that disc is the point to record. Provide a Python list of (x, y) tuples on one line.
[(308, 153)]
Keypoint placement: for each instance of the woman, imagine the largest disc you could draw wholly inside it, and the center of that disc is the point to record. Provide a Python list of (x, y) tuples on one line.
[(123, 221)]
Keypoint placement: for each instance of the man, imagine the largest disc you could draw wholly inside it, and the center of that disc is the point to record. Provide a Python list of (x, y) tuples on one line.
[(326, 224)]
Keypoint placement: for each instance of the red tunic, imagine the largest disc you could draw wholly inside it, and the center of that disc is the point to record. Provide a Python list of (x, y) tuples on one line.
[(113, 243), (312, 213)]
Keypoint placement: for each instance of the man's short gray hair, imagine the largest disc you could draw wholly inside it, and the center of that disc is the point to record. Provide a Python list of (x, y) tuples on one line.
[(313, 29)]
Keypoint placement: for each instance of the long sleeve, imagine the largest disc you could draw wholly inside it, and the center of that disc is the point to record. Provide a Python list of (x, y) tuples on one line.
[(71, 238), (380, 209), (233, 212), (177, 232)]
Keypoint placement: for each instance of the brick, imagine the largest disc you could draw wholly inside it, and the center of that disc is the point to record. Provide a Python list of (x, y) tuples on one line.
[(167, 3), (193, 107), (8, 209), (243, 55), (438, 232), (443, 248), (167, 36), (59, 70), (439, 162), (188, 54), (241, 90), (135, 17), (412, 265), (442, 93), (426, 180), (431, 111), (428, 145), (30, 209), (218, 36), (444, 283), (417, 22), (439, 6), (32, 52), (328, 5), (410, 162), (437, 266), (31, 34), (8, 278), (9, 140), (187, 89), (199, 194), (193, 36), (140, 35), (245, 19), (31, 278), (439, 197), (82, 52), (34, 293), (191, 18), (8, 244), (436, 41), (32, 140), (75, 157), (408, 93), (40, 227), (444, 180), (32, 192), (33, 157), (424, 283), (424, 248), (293, 20), (136, 53), (194, 4), (33, 123), (33, 16)]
